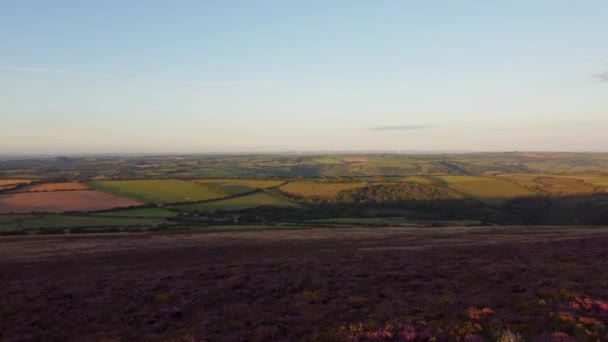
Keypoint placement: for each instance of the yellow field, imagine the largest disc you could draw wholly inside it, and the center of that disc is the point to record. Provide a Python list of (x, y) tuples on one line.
[(600, 181), (490, 190), (562, 184), (239, 203), (239, 186), (319, 189), (9, 183)]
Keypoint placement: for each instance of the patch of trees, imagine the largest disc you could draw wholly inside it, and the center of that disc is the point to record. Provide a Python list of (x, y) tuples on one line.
[(393, 192)]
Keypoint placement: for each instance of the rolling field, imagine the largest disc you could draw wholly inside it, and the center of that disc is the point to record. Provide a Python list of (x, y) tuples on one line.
[(158, 191), (240, 186), (491, 190), (62, 201), (239, 203), (318, 189)]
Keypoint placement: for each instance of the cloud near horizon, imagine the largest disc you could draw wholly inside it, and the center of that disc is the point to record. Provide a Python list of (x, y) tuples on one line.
[(602, 76), (400, 127)]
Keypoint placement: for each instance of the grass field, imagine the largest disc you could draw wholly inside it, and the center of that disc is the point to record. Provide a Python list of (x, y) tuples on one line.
[(319, 189), (525, 180), (600, 181), (239, 203), (240, 186), (139, 212), (494, 191), (158, 191)]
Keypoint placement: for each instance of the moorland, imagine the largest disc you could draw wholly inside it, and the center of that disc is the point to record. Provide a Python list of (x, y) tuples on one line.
[(343, 247)]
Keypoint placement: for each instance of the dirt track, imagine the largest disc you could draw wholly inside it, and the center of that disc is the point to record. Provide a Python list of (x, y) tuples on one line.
[(290, 284)]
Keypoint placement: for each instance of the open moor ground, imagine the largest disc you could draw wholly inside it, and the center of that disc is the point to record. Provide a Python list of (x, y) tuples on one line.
[(451, 284)]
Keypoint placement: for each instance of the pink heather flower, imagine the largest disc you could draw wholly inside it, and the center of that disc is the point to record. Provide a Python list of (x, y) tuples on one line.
[(575, 305), (409, 333), (386, 333), (603, 306), (475, 313), (587, 303), (588, 320), (561, 337), (487, 311)]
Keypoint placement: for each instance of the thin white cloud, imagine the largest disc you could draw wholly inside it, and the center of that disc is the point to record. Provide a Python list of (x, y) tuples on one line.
[(399, 127), (602, 76), (234, 83), (72, 73)]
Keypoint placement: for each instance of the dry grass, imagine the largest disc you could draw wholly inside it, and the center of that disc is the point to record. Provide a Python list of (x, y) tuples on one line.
[(54, 187)]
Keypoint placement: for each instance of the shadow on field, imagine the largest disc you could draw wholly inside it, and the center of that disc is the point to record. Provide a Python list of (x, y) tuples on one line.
[(591, 209)]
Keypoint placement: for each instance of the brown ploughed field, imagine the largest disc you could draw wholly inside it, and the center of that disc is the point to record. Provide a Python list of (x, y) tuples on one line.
[(62, 201), (347, 284)]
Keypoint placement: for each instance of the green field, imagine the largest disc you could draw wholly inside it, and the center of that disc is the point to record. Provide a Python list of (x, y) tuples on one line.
[(141, 212), (525, 180), (240, 186), (159, 191), (31, 222), (600, 181), (491, 190), (239, 203)]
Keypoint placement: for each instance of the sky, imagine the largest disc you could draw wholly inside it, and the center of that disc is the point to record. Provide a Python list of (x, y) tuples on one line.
[(267, 76)]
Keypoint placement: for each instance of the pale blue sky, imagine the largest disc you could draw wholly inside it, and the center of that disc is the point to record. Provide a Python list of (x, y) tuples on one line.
[(210, 76)]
